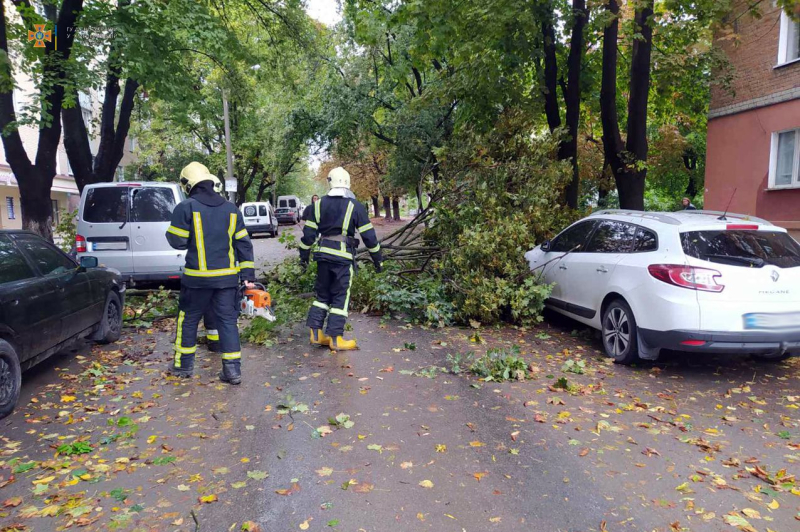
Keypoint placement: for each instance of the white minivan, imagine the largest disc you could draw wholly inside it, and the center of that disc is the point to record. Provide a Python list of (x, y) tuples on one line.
[(259, 217), (124, 225)]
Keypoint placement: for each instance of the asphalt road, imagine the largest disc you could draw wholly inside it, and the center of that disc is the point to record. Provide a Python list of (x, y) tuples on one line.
[(679, 445)]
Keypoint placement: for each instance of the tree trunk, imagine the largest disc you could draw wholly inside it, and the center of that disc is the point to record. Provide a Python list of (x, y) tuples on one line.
[(37, 210), (387, 207), (636, 145), (613, 147), (376, 206), (568, 147), (572, 98), (396, 208), (35, 180)]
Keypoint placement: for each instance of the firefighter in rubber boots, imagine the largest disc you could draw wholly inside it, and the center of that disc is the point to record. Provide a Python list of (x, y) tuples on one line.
[(209, 319), (332, 226), (219, 252)]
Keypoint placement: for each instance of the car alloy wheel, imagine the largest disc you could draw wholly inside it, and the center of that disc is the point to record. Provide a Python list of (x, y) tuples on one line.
[(113, 317), (616, 332), (6, 382)]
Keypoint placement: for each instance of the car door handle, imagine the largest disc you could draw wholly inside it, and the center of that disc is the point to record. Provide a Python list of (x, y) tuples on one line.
[(602, 269)]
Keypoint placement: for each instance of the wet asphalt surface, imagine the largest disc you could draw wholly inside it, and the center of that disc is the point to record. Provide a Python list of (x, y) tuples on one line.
[(701, 444)]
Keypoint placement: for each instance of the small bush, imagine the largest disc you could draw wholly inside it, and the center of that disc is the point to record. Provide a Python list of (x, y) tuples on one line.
[(500, 365), (67, 229)]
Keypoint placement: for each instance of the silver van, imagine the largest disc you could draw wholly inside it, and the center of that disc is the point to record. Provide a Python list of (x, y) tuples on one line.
[(289, 210), (124, 226), (259, 217)]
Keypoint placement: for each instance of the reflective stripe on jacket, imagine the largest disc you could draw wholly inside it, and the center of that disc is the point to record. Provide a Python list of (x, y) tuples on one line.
[(336, 216), (218, 245)]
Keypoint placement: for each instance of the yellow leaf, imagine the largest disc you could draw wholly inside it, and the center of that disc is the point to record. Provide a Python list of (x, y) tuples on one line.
[(564, 415), (209, 499), (774, 505), (325, 472), (440, 448), (495, 519), (304, 525), (752, 514), (479, 476), (426, 484), (406, 465), (45, 480), (151, 439), (477, 444), (244, 460), (421, 516), (68, 398), (50, 511)]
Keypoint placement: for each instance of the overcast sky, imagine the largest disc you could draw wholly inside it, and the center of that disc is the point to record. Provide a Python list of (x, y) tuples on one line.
[(326, 11)]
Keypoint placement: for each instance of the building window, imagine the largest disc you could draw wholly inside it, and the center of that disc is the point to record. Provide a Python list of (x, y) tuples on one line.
[(785, 159), (789, 43), (132, 142), (54, 204), (10, 209), (120, 173)]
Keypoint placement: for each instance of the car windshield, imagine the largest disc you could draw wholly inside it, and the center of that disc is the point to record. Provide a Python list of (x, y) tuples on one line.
[(749, 249)]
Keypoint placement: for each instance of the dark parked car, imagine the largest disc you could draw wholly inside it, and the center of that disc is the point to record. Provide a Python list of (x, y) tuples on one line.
[(48, 301)]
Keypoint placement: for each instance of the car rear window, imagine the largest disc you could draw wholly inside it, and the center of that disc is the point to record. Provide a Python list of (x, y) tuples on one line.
[(13, 266), (106, 205), (743, 248), (282, 203), (262, 210), (152, 204), (250, 210)]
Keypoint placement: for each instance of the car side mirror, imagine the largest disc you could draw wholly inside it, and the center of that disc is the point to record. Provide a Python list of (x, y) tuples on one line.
[(545, 245), (88, 263)]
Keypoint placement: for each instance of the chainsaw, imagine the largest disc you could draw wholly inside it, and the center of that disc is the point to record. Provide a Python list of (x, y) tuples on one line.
[(256, 302)]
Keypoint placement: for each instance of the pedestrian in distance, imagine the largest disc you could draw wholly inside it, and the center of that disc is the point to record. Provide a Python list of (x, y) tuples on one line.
[(219, 254), (309, 211), (330, 231), (687, 205)]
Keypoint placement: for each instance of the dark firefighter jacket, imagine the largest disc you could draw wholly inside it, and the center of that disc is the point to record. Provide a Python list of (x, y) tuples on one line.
[(212, 231), (336, 216)]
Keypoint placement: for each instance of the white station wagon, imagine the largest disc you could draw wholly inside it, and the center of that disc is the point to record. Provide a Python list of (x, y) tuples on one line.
[(697, 281)]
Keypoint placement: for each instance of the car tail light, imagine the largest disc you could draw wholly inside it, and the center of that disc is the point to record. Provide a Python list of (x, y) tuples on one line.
[(80, 244), (741, 227), (703, 279), (693, 343), (173, 277)]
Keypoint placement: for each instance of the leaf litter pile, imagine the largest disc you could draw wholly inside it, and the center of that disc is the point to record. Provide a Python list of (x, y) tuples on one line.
[(442, 430)]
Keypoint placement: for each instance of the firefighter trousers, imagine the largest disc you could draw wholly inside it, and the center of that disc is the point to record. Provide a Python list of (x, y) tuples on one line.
[(333, 297), (193, 303)]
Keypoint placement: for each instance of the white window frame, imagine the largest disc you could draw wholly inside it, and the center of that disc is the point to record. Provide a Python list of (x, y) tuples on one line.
[(783, 41), (773, 161)]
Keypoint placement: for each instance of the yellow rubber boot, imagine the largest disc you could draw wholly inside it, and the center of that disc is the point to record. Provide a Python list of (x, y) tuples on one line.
[(319, 338), (340, 344)]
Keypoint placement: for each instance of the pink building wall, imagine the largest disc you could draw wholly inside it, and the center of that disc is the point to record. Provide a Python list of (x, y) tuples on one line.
[(738, 157)]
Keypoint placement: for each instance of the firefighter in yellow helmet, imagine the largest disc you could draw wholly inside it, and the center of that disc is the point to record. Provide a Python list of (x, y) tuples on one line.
[(219, 254), (333, 224)]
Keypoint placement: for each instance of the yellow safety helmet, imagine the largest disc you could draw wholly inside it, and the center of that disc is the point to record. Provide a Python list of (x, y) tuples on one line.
[(193, 173), (339, 178), (217, 184)]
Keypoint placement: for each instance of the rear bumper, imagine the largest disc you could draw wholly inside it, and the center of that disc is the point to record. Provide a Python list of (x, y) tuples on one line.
[(260, 228), (129, 277), (755, 342), (288, 217)]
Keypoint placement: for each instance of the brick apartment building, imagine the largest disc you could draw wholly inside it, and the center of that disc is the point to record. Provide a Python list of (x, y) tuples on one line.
[(754, 129)]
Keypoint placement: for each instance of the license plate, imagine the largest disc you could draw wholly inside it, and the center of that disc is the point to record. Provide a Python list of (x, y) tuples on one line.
[(108, 246), (790, 320)]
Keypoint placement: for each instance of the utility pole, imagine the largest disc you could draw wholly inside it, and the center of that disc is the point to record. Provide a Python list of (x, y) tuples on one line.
[(229, 152)]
